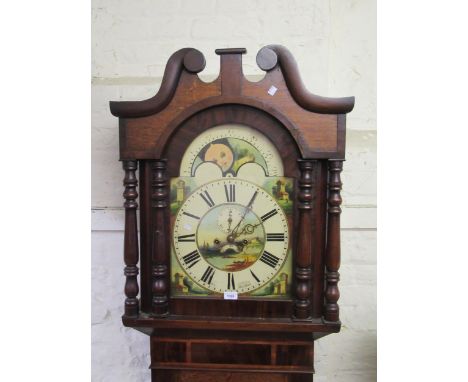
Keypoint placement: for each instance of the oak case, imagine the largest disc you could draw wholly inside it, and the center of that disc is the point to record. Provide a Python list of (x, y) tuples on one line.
[(212, 339)]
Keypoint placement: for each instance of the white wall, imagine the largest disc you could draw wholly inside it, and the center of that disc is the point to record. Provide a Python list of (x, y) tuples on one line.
[(334, 43)]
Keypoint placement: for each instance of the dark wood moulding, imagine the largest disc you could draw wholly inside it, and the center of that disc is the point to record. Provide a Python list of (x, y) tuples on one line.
[(190, 59), (233, 324), (194, 62), (272, 55), (316, 123)]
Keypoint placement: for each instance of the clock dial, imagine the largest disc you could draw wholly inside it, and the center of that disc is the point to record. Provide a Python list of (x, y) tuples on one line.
[(231, 150), (231, 235)]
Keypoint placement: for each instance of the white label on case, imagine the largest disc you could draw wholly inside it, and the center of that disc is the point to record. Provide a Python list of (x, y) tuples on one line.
[(231, 295), (272, 90)]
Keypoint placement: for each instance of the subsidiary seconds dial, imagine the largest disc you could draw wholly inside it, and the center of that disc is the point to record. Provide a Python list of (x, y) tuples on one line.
[(231, 235)]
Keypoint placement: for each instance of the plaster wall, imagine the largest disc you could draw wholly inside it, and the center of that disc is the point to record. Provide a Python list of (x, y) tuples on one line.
[(334, 43)]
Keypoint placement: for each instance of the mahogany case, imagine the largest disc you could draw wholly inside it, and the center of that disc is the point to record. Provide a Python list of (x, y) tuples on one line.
[(211, 339)]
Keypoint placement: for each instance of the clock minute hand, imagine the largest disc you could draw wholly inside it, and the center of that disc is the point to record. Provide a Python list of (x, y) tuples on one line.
[(230, 220), (234, 230), (246, 209)]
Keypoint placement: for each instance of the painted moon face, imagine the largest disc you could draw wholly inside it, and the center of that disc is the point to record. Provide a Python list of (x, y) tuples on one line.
[(231, 147), (220, 154)]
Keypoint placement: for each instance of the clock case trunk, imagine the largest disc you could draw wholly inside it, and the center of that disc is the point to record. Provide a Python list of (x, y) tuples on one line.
[(215, 339)]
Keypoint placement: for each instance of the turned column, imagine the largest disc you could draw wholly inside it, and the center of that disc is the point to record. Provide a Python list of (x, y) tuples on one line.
[(131, 238), (333, 253), (160, 258), (302, 306)]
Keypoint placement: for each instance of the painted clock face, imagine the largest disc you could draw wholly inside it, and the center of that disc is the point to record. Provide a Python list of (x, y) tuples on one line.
[(231, 235), (231, 213)]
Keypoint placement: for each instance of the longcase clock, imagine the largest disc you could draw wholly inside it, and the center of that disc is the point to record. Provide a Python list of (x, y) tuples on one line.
[(234, 272)]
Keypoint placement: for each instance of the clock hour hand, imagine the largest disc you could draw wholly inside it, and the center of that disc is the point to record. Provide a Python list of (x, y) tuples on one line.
[(248, 228)]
